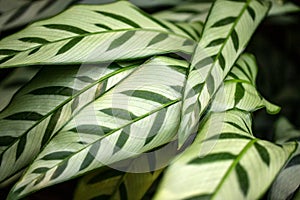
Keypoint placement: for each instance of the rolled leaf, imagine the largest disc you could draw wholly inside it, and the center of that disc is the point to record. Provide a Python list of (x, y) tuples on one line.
[(227, 30)]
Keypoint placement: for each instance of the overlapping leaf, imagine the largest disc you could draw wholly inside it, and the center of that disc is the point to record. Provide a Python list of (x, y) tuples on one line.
[(90, 33), (113, 184), (133, 117), (45, 104), (225, 35), (186, 13), (288, 180), (16, 13)]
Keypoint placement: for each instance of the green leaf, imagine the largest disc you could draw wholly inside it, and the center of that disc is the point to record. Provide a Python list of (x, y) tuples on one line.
[(16, 13), (210, 65), (129, 121), (101, 35), (220, 162), (115, 184), (62, 91)]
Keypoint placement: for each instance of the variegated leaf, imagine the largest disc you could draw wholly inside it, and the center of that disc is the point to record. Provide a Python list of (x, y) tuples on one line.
[(133, 117), (226, 33), (114, 184), (90, 33), (44, 105), (235, 165), (17, 13), (186, 13), (288, 180)]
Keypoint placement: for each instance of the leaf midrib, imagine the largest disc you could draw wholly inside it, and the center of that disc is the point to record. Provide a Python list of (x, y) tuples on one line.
[(233, 165), (96, 33)]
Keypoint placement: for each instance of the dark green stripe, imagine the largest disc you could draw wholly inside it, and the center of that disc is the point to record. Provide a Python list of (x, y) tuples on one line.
[(6, 140), (40, 170), (91, 129), (59, 155), (7, 58), (236, 126), (86, 79), (29, 116), (34, 50), (119, 18), (193, 107), (204, 62), (18, 14), (229, 136), (185, 31), (210, 83), (103, 26), (21, 146), (8, 51), (50, 127), (242, 178), (148, 95), (212, 158), (39, 179), (156, 126), (188, 42), (224, 21), (239, 93), (123, 191), (59, 170), (251, 12), (90, 157), (54, 90), (216, 42), (34, 40), (104, 176), (243, 71), (222, 61), (69, 28), (195, 90), (69, 45), (119, 113), (121, 40), (123, 137), (235, 40), (45, 7), (160, 37), (263, 153)]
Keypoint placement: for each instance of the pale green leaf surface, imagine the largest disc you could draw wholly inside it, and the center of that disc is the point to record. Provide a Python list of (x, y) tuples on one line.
[(45, 104), (224, 162), (287, 7), (226, 32), (90, 33), (117, 125)]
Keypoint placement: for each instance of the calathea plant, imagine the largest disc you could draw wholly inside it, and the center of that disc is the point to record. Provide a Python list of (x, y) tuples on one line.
[(123, 98)]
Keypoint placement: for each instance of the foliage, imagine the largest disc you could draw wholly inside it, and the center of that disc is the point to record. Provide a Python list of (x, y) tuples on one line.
[(128, 102)]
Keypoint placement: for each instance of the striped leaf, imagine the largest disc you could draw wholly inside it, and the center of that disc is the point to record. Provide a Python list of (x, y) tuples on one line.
[(227, 30), (288, 180), (239, 90), (131, 118), (16, 13), (45, 104), (101, 35), (113, 184), (191, 12), (224, 162)]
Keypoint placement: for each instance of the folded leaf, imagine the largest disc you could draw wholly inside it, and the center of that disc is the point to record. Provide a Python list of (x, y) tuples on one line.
[(90, 33), (45, 104), (224, 162), (133, 117), (227, 30)]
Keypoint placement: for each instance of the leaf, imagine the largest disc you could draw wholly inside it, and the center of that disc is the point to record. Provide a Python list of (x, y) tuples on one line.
[(210, 65), (287, 182), (101, 35), (190, 12), (220, 163), (16, 13), (287, 7), (158, 97), (115, 184), (45, 104)]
